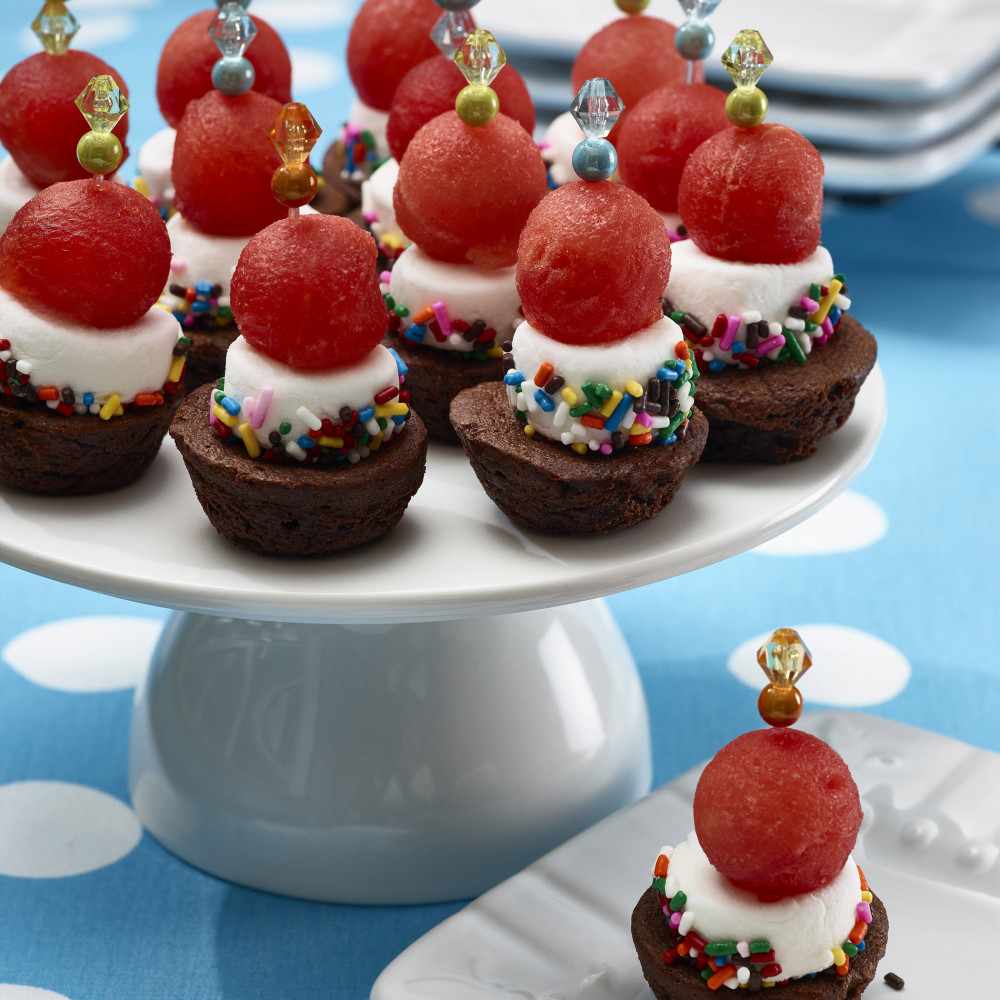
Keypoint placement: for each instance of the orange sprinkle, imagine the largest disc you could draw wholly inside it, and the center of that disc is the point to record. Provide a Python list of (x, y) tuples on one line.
[(682, 350), (721, 976), (544, 373), (424, 315), (683, 948), (148, 399), (590, 420), (864, 881), (646, 438), (842, 969), (858, 932), (49, 392), (661, 866)]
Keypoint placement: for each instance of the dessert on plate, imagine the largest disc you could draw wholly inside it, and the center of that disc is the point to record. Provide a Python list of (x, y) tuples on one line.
[(387, 38), (184, 72), (765, 892), (39, 126), (593, 427), (761, 303), (91, 365), (221, 199), (467, 183), (307, 445), (637, 53)]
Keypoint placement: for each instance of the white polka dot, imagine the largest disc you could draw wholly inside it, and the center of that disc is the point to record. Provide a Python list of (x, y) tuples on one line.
[(313, 70), (984, 204), (851, 521), (52, 829), (100, 653), (8, 991), (305, 15), (850, 668)]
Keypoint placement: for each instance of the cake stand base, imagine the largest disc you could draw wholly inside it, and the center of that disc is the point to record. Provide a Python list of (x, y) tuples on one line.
[(385, 764)]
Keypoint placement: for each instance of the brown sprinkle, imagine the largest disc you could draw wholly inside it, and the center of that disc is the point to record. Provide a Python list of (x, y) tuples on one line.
[(896, 982)]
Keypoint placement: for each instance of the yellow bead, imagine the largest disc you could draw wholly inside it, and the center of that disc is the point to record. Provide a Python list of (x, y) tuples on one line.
[(294, 184), (745, 107), (477, 105), (632, 6), (480, 58), (55, 27), (102, 103), (99, 152)]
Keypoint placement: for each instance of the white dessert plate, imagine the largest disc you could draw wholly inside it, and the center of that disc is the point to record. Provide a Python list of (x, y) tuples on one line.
[(559, 930), (453, 555)]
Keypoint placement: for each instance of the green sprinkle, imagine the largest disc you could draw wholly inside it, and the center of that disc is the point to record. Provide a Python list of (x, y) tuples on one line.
[(810, 326), (183, 340), (849, 949), (794, 347), (664, 433), (363, 438), (382, 422), (219, 396), (284, 427), (659, 884), (784, 354), (707, 973), (390, 302), (761, 946), (580, 409), (368, 139), (677, 900), (480, 356), (695, 372), (224, 312), (677, 316), (602, 390), (840, 278), (401, 311), (815, 292), (521, 415), (517, 388), (590, 391), (675, 421), (717, 948), (222, 382)]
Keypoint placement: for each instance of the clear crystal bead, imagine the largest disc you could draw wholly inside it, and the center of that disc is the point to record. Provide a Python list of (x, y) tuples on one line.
[(55, 27), (746, 58), (597, 107), (698, 9), (480, 58), (449, 33), (232, 30)]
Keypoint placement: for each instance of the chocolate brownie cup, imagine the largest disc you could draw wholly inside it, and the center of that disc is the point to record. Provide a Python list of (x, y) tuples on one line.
[(550, 488), (45, 452), (683, 981), (779, 412), (277, 509)]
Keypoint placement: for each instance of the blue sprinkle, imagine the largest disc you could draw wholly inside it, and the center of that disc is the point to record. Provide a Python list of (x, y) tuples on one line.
[(737, 347), (198, 306), (513, 378), (179, 316), (401, 367), (399, 418), (611, 424), (670, 440), (716, 366), (666, 375), (544, 400), (88, 398), (415, 332), (305, 442), (230, 405), (834, 314), (366, 414), (680, 367), (203, 287), (861, 945)]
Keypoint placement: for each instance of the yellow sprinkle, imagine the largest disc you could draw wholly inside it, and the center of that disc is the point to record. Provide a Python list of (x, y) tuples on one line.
[(376, 442), (141, 186), (227, 418), (391, 409), (866, 896), (827, 301), (392, 241), (112, 408), (529, 429), (570, 395), (768, 982), (176, 369), (633, 388), (637, 429), (579, 447), (163, 305), (609, 407), (838, 956), (330, 442), (495, 352), (249, 439)]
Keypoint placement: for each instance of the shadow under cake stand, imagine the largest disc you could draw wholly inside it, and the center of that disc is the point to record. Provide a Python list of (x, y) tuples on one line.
[(413, 720)]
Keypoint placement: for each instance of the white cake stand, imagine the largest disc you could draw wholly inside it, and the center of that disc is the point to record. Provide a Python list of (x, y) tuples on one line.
[(414, 720)]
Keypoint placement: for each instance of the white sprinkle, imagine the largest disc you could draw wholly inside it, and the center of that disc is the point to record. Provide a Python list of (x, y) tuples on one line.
[(671, 886), (372, 427), (805, 341), (455, 339), (353, 457), (593, 444), (791, 323), (177, 263), (566, 437), (743, 949), (842, 302), (743, 972), (774, 328), (95, 407), (52, 403), (751, 317), (4, 355), (295, 451), (732, 982), (628, 420), (687, 922), (80, 408), (24, 366), (561, 415), (309, 418)]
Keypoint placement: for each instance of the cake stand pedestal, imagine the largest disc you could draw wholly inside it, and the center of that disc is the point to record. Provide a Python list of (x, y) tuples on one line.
[(413, 720)]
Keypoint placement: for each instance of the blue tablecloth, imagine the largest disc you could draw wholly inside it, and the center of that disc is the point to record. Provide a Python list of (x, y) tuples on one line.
[(895, 585)]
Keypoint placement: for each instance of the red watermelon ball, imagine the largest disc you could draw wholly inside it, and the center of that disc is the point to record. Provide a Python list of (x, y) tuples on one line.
[(777, 812), (430, 89), (388, 38), (39, 123), (592, 264), (94, 252), (636, 54), (185, 68), (305, 293), (223, 164), (660, 133), (754, 195), (464, 192)]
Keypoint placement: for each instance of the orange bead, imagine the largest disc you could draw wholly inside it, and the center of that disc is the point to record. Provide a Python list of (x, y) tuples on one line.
[(294, 184), (779, 706)]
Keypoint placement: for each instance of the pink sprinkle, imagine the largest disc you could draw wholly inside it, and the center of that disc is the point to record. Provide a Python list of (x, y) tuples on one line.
[(666, 909), (248, 405), (645, 419), (351, 132), (807, 303), (729, 337), (822, 340), (827, 326), (544, 144), (606, 448), (371, 217), (189, 319), (675, 920), (177, 263), (213, 420), (384, 277), (261, 407), (864, 912), (770, 344), (674, 236), (441, 315)]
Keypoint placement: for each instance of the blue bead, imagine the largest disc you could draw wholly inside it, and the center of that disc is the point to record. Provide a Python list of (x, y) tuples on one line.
[(233, 76), (88, 398), (716, 366), (737, 347), (595, 159), (694, 39), (305, 442)]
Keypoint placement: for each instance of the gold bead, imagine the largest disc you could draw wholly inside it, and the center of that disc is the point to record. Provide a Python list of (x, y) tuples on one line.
[(99, 152), (294, 184), (477, 105), (632, 6), (779, 706), (746, 107)]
